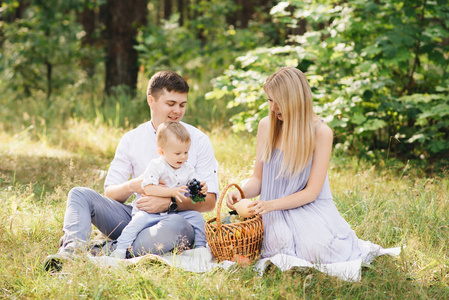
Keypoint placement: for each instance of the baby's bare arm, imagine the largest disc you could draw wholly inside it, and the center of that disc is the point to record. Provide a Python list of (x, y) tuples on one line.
[(162, 191)]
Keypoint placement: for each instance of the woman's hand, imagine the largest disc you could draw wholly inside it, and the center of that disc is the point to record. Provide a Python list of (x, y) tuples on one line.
[(261, 207), (233, 198)]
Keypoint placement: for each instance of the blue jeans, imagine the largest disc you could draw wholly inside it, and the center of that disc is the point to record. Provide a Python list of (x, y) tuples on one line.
[(86, 206), (142, 220)]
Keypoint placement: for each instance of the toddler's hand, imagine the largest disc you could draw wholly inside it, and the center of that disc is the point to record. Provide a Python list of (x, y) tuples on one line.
[(179, 193)]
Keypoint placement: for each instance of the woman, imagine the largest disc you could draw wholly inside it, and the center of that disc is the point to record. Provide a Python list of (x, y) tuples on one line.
[(290, 175)]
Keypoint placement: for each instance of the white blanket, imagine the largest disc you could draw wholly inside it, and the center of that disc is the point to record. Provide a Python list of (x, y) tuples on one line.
[(201, 260)]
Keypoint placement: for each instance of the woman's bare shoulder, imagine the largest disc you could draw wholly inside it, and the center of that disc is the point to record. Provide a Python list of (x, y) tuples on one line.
[(324, 132), (265, 121), (263, 124)]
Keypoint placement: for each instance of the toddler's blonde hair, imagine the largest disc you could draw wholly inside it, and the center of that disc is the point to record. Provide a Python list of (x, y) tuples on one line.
[(168, 130)]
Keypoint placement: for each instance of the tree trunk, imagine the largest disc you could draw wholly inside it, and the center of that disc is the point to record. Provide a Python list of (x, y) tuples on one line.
[(167, 9), (231, 17), (265, 5), (88, 19), (122, 20), (246, 12), (181, 12), (49, 79), (49, 67)]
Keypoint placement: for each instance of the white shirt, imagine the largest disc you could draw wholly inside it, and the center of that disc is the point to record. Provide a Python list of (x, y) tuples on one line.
[(138, 147), (159, 169)]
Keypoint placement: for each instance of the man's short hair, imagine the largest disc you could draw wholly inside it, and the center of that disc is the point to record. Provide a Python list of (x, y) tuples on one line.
[(166, 80), (175, 129)]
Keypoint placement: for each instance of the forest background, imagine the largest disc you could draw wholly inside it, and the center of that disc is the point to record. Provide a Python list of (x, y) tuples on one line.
[(73, 78)]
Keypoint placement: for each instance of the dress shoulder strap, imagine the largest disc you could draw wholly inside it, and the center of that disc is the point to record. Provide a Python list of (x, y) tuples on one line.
[(318, 125)]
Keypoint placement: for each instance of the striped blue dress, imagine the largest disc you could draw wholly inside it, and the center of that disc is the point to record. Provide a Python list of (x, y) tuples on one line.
[(315, 232)]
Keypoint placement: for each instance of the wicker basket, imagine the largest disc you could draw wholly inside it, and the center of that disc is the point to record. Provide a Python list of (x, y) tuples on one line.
[(227, 240)]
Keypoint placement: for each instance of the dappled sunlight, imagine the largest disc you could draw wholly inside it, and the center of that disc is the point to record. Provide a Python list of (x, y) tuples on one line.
[(76, 137), (93, 138), (25, 159), (22, 144)]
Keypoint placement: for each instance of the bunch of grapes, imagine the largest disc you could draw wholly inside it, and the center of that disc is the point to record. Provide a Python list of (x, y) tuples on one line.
[(194, 187)]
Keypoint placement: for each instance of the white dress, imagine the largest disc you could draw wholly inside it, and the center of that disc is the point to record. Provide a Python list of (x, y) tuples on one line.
[(315, 232)]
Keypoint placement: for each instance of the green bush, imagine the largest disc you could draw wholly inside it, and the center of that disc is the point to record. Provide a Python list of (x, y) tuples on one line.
[(378, 72)]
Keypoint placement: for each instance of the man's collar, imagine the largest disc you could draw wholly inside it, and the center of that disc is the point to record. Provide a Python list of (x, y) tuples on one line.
[(152, 127)]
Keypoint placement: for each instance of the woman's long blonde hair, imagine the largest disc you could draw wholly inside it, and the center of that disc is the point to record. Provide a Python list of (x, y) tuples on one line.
[(290, 90)]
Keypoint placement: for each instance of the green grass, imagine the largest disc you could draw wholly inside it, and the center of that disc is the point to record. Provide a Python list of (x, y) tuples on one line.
[(392, 206)]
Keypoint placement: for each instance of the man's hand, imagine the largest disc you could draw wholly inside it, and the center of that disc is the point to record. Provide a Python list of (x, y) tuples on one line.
[(153, 204), (203, 188)]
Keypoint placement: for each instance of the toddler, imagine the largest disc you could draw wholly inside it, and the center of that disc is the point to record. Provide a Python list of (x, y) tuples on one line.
[(173, 142)]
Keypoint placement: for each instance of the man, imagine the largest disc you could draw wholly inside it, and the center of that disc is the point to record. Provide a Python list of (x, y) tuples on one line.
[(167, 99)]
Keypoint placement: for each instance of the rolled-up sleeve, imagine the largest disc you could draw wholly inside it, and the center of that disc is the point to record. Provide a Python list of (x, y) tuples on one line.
[(152, 174)]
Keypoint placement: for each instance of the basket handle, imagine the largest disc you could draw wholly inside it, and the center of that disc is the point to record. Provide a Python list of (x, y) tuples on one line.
[(221, 199)]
